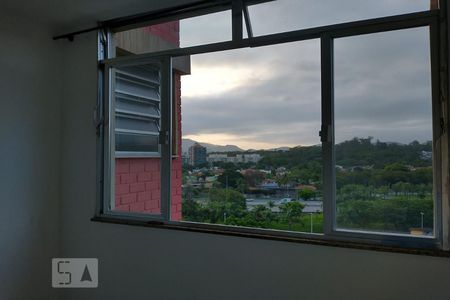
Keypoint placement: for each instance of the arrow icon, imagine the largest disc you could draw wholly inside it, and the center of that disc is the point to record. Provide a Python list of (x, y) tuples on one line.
[(86, 275)]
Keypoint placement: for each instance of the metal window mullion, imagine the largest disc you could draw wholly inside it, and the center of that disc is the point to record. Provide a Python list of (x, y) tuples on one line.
[(112, 137), (437, 130), (166, 140), (365, 26), (444, 105), (237, 7), (99, 122), (327, 135), (248, 22), (108, 149)]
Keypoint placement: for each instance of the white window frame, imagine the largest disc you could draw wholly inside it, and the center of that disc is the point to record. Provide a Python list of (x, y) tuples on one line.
[(326, 34)]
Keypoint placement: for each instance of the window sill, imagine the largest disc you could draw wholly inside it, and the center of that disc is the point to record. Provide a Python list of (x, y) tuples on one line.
[(314, 239)]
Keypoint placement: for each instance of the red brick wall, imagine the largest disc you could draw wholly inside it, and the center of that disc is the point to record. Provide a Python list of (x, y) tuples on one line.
[(169, 31), (138, 185)]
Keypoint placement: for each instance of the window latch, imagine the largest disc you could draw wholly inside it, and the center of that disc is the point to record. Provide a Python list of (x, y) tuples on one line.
[(164, 137), (324, 133)]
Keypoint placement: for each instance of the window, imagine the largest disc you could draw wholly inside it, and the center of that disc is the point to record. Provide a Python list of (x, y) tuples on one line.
[(299, 14), (254, 101), (391, 106), (136, 93), (358, 101)]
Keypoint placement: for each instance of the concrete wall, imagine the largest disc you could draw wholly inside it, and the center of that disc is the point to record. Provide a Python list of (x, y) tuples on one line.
[(30, 152), (148, 263)]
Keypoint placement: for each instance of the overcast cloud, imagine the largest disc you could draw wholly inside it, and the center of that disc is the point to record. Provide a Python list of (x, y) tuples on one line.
[(270, 96)]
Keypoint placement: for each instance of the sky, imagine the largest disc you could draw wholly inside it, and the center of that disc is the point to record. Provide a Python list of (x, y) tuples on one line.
[(268, 97)]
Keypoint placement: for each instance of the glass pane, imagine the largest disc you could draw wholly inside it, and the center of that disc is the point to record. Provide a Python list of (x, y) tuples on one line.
[(383, 132), (251, 153), (136, 108), (287, 15), (206, 29), (126, 105), (137, 89), (128, 142), (147, 125)]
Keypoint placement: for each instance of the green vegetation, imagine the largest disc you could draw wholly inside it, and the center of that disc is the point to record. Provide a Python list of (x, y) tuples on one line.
[(231, 210), (379, 186)]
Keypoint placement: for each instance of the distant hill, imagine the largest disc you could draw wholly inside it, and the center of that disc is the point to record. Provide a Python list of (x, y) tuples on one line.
[(280, 149), (355, 152), (187, 143)]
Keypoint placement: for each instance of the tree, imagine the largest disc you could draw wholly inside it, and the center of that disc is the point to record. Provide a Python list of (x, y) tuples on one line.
[(306, 193), (291, 212), (193, 211), (232, 179), (261, 214), (253, 177), (225, 203)]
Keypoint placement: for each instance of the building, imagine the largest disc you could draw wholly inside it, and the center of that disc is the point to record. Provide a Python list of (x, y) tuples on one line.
[(235, 159), (197, 155), (217, 157)]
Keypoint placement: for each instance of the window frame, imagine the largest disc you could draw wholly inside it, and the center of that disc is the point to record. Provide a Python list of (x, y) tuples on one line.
[(109, 153), (326, 34), (328, 142)]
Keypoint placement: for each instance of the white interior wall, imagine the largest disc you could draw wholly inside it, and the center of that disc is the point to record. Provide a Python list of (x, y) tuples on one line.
[(30, 85), (148, 263)]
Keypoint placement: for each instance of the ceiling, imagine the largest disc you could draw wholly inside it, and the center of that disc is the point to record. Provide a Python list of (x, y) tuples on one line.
[(71, 15)]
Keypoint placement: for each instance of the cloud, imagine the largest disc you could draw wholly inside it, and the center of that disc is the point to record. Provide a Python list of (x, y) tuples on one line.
[(271, 95)]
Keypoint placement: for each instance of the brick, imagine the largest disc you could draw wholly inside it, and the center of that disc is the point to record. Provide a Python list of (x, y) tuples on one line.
[(137, 166), (144, 196), (152, 185), (176, 182), (122, 166), (176, 216), (128, 178), (122, 189), (153, 211), (179, 191), (123, 207), (144, 176), (127, 199), (151, 205), (178, 174), (137, 207), (176, 199), (152, 165), (156, 194), (137, 187), (156, 176)]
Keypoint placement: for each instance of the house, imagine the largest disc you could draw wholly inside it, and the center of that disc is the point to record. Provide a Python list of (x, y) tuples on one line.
[(52, 182)]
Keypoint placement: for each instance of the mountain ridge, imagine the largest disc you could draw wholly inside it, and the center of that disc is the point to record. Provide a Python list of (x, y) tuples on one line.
[(187, 143)]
